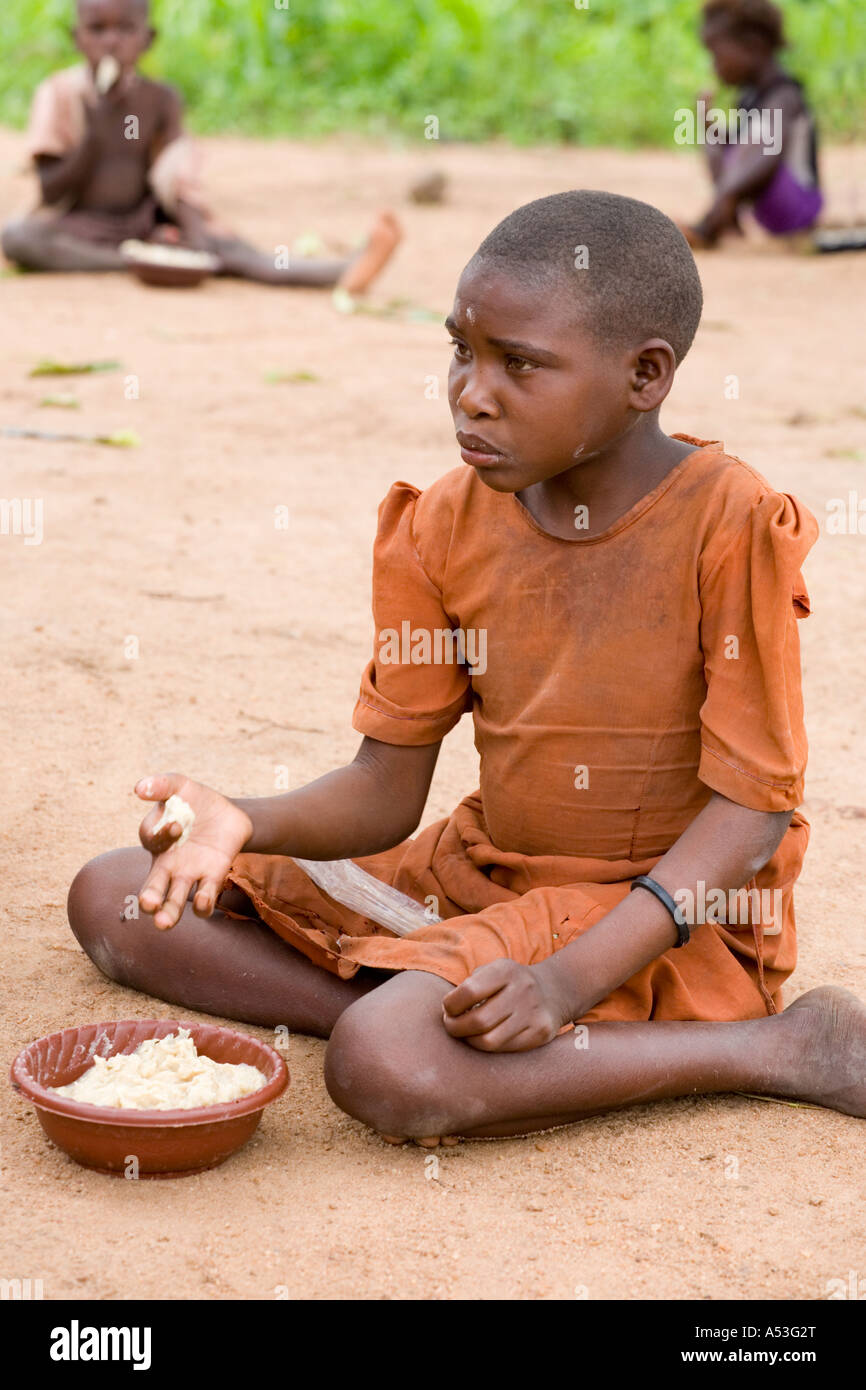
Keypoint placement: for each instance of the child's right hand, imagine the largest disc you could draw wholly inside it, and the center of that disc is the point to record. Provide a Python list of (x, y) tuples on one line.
[(220, 832)]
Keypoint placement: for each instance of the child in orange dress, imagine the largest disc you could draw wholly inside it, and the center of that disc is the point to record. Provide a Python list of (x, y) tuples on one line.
[(618, 610)]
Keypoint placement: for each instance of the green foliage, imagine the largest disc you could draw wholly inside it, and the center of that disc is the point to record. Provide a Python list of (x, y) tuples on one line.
[(529, 70)]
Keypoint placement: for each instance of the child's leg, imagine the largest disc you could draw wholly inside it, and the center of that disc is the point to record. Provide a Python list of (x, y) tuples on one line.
[(219, 965), (355, 274), (391, 1064), (715, 157), (37, 243)]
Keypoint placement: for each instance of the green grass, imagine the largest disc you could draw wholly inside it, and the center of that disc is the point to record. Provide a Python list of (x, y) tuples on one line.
[(528, 70)]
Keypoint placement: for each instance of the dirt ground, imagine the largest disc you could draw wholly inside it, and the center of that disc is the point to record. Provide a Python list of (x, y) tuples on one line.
[(251, 642)]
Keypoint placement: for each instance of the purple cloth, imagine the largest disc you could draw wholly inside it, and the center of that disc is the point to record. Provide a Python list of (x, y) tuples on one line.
[(786, 205)]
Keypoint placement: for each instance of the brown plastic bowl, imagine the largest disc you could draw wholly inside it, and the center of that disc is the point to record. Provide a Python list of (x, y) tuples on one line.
[(173, 277), (166, 1143)]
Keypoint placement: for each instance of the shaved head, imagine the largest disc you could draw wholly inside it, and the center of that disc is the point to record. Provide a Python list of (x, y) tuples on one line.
[(624, 265), (140, 9)]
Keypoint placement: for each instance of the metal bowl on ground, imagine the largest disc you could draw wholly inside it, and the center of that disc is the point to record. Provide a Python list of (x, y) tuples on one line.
[(163, 1143)]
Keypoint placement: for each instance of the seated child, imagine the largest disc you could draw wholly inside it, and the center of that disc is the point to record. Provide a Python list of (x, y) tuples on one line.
[(115, 164), (772, 170), (618, 609)]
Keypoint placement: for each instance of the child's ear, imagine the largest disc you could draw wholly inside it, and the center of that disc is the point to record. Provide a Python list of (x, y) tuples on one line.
[(149, 41), (652, 374)]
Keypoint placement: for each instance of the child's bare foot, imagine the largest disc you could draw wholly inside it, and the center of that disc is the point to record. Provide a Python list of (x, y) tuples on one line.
[(830, 1062), (380, 247)]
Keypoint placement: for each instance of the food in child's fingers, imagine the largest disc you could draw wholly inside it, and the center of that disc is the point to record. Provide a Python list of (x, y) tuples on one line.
[(176, 809), (107, 72)]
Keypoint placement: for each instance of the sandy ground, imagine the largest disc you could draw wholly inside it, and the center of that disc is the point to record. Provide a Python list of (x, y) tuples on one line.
[(251, 641)]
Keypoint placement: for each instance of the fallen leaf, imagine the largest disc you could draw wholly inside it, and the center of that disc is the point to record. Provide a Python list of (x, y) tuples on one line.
[(277, 378), (308, 244), (48, 367), (775, 1100), (120, 439), (343, 301), (401, 309)]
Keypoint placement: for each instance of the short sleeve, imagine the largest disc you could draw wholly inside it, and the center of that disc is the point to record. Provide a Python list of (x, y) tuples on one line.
[(753, 738), (57, 122), (415, 688)]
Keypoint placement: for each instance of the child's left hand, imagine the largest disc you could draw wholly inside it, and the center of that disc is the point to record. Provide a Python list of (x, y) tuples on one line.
[(506, 1007)]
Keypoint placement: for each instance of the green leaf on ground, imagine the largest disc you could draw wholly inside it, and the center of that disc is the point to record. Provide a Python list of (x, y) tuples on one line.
[(120, 439), (307, 245), (62, 401), (277, 378), (401, 309), (776, 1100), (343, 301), (48, 367)]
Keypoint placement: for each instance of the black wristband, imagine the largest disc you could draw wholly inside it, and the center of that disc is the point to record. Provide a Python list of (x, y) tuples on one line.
[(678, 914)]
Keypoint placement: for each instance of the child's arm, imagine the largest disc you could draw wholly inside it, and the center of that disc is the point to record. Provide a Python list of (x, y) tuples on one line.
[(741, 179), (738, 181), (64, 176), (190, 219), (367, 806), (724, 847), (714, 154)]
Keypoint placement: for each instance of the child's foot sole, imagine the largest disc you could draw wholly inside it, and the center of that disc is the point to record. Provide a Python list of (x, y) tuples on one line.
[(381, 245)]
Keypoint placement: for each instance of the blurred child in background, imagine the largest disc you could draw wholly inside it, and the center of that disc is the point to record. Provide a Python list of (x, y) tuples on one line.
[(770, 166), (114, 164)]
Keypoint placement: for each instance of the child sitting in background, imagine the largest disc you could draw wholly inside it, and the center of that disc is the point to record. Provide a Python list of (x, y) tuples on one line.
[(778, 183), (115, 165)]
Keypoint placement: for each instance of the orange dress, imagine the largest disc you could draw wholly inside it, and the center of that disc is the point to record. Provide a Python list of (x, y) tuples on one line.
[(618, 680)]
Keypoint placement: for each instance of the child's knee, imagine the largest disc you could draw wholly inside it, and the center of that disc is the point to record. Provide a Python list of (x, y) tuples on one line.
[(98, 895), (382, 1066), (18, 241)]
